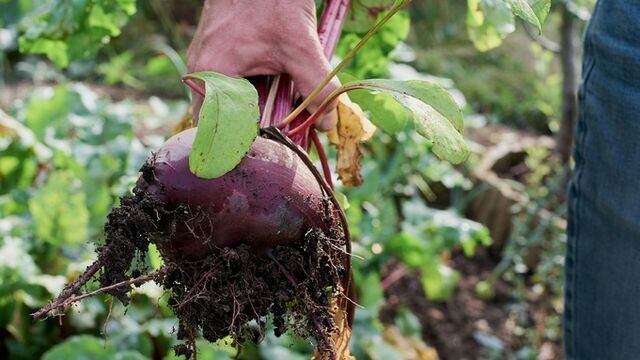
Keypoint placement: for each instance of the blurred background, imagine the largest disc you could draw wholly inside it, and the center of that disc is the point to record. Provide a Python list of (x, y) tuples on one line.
[(452, 262)]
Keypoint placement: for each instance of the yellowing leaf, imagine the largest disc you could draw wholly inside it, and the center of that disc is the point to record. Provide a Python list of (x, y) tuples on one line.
[(341, 336), (185, 122), (352, 128)]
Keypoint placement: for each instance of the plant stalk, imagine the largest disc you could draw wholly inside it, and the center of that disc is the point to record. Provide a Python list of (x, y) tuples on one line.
[(350, 55)]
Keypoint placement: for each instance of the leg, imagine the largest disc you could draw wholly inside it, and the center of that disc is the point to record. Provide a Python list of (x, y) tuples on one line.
[(602, 297)]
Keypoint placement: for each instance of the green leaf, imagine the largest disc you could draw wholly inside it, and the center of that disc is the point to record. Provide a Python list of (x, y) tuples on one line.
[(383, 110), (86, 347), (410, 249), (541, 9), (70, 30), (80, 347), (488, 23), (129, 6), (523, 10), (436, 115), (408, 323), (363, 14), (55, 50), (439, 281), (49, 111), (373, 59), (154, 257), (342, 199), (59, 210), (99, 18), (227, 126)]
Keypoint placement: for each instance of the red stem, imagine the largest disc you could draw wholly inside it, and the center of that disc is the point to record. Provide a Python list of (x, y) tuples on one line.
[(331, 24), (329, 30), (194, 86), (305, 125), (323, 157)]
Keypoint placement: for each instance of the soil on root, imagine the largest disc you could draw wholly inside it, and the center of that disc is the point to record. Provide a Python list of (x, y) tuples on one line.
[(230, 291)]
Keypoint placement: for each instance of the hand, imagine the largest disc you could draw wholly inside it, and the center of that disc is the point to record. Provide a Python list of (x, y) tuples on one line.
[(242, 38)]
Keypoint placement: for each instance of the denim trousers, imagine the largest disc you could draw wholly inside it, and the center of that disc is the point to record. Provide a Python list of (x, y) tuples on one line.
[(602, 294)]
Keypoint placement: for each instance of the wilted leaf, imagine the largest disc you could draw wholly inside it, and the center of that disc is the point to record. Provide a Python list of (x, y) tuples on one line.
[(341, 336), (228, 124), (352, 128), (436, 115), (186, 122)]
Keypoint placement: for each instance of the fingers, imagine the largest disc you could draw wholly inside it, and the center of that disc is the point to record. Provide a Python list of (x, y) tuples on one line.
[(308, 67)]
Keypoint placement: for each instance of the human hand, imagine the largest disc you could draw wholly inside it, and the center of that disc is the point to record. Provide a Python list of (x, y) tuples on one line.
[(242, 38)]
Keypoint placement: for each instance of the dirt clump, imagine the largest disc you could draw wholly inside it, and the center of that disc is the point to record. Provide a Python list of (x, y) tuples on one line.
[(229, 291)]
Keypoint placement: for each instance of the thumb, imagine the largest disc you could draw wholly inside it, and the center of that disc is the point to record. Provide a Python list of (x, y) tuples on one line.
[(307, 69)]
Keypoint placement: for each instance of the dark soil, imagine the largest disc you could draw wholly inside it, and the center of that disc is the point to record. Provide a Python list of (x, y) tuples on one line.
[(230, 291), (453, 327)]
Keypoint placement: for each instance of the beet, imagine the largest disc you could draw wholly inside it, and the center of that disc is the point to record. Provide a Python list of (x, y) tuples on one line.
[(266, 239), (270, 198)]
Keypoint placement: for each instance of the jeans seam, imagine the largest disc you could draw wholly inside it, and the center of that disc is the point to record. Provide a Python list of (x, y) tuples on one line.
[(582, 131)]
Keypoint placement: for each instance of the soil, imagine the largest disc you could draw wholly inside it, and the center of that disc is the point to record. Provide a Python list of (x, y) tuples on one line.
[(456, 327)]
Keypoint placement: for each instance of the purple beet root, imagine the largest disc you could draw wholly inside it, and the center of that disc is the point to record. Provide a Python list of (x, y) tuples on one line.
[(271, 198)]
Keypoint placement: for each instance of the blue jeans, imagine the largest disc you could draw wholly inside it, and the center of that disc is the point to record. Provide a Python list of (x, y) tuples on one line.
[(602, 296)]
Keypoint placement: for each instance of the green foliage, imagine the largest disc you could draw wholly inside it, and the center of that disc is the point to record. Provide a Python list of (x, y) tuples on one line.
[(89, 348), (227, 124), (69, 154), (531, 11), (59, 210), (490, 21), (66, 31), (372, 60), (426, 234), (436, 115), (364, 14)]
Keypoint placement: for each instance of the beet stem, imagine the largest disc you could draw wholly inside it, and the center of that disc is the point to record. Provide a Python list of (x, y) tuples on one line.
[(194, 86), (331, 24), (343, 63), (329, 30), (323, 157)]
